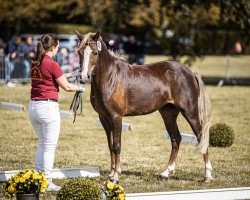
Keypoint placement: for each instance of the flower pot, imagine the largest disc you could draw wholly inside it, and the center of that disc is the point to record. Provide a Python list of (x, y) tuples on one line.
[(27, 196)]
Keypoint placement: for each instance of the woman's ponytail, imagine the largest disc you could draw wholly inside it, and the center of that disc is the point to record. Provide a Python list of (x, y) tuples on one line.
[(40, 52), (46, 43)]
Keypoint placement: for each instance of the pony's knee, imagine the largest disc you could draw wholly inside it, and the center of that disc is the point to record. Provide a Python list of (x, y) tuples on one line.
[(117, 148), (176, 142)]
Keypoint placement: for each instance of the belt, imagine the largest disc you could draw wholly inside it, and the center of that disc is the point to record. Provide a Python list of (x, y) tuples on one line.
[(53, 100)]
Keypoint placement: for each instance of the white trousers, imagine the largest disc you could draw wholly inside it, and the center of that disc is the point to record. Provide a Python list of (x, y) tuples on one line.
[(45, 119)]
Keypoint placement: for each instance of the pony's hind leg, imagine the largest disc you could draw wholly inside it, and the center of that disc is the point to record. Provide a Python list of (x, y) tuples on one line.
[(193, 120), (169, 114)]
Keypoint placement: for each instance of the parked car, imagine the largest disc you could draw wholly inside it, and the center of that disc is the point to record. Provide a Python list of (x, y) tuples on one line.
[(67, 41), (36, 37)]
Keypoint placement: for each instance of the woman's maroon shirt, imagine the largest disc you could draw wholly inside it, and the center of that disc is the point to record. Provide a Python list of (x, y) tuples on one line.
[(43, 80)]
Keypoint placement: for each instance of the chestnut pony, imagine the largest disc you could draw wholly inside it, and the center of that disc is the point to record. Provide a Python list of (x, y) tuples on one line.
[(119, 89)]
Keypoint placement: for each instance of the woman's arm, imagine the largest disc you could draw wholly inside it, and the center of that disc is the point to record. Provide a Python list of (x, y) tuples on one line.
[(68, 87)]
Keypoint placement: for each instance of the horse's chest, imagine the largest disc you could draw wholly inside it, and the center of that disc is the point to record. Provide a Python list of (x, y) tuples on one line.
[(96, 103)]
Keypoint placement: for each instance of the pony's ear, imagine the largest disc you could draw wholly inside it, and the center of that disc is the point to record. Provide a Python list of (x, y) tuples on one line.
[(96, 36), (79, 35)]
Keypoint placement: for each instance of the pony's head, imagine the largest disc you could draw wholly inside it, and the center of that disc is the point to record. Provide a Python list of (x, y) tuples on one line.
[(88, 49)]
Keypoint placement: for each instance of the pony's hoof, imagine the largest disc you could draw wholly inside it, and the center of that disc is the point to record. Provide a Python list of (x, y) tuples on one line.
[(114, 181), (208, 180), (162, 178), (111, 174)]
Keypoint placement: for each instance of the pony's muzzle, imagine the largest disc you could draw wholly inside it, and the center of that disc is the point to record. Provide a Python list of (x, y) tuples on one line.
[(88, 78), (84, 79)]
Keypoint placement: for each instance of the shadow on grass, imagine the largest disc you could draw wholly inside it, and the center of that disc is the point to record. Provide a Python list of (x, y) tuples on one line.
[(153, 176), (127, 173)]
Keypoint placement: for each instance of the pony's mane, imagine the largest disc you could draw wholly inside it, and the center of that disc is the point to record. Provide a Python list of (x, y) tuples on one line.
[(118, 55)]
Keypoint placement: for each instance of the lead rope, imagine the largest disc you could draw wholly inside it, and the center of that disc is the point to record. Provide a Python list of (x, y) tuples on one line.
[(77, 101)]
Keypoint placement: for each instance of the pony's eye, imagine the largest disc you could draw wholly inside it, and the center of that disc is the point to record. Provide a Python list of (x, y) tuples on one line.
[(94, 53)]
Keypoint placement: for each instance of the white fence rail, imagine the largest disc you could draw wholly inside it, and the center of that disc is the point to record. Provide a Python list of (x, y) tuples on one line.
[(211, 194), (225, 69), (60, 173)]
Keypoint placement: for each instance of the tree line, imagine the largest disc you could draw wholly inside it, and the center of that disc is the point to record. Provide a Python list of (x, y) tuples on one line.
[(182, 27)]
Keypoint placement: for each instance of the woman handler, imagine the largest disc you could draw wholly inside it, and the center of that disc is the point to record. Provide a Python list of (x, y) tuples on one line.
[(46, 77)]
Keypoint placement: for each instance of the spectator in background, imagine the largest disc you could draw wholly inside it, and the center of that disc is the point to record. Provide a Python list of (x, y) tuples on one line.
[(237, 48), (62, 58), (9, 46), (28, 50), (12, 51), (74, 60), (2, 61), (135, 51), (1, 45)]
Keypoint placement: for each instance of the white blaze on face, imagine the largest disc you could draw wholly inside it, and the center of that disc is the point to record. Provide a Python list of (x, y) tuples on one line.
[(87, 53)]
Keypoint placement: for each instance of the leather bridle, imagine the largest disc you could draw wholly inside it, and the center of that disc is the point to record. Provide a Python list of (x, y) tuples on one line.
[(77, 100)]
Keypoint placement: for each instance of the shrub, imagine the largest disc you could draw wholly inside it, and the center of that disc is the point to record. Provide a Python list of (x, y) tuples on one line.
[(221, 135), (80, 189)]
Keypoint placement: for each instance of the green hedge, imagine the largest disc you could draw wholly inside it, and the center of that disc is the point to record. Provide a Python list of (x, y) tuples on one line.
[(221, 135)]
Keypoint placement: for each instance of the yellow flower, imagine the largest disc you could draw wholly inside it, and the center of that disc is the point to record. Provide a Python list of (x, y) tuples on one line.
[(17, 179), (44, 184), (42, 189), (110, 185), (11, 189), (26, 176), (36, 176), (122, 196), (120, 187), (22, 180)]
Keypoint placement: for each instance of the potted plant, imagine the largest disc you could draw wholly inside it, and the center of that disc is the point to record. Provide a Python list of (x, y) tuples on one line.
[(85, 188), (26, 185)]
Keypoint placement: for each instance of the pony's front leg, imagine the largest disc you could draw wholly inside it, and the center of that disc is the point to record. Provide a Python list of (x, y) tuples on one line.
[(107, 127), (117, 129), (112, 157)]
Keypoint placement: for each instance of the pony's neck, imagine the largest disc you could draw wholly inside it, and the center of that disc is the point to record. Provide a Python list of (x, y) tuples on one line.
[(106, 60), (105, 56), (105, 66)]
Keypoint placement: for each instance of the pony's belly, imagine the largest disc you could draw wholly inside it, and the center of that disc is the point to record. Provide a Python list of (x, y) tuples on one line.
[(136, 113)]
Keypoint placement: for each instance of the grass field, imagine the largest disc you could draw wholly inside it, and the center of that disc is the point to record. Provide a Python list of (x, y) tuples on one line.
[(216, 66), (145, 151)]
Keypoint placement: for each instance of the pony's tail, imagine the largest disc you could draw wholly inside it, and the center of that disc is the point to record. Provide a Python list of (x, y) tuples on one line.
[(204, 107)]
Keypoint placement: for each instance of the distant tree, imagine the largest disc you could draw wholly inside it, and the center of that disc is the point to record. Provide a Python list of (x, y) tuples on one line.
[(202, 26), (17, 15), (113, 15), (183, 27)]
